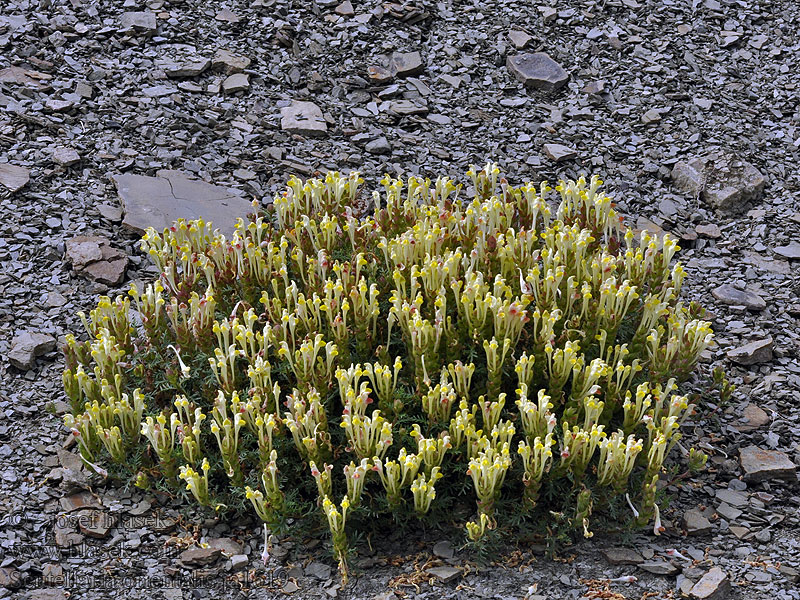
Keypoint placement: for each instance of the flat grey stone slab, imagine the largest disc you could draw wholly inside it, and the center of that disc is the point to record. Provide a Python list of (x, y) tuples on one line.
[(790, 251), (760, 465), (725, 182), (158, 202), (25, 77), (143, 21), (727, 294), (559, 152), (13, 177), (191, 67), (406, 64), (199, 557), (754, 353), (238, 82), (27, 345), (66, 156), (94, 257), (304, 118), (228, 62), (519, 38), (732, 497), (714, 585), (695, 523), (537, 70), (405, 107), (445, 574)]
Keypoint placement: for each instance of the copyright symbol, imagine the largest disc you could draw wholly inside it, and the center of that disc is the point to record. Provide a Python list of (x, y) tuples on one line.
[(281, 577), (12, 520)]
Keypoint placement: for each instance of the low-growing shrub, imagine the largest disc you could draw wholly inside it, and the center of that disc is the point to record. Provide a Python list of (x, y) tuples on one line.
[(490, 352)]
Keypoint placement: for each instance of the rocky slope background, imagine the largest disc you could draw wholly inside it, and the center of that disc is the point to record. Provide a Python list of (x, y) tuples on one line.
[(111, 112)]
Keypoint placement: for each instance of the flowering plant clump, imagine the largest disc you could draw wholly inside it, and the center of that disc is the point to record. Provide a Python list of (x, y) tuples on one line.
[(485, 350)]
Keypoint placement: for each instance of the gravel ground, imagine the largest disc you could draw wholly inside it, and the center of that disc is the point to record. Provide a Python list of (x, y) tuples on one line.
[(89, 91)]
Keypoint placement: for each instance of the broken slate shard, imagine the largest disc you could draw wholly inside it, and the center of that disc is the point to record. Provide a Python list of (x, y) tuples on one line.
[(24, 77), (558, 152), (790, 251), (520, 39), (405, 107), (229, 63), (379, 74), (13, 177), (724, 182), (304, 118), (754, 353), (406, 64), (191, 67), (537, 70), (93, 256), (27, 345), (65, 157), (158, 202), (727, 294), (714, 585), (238, 82), (760, 465), (138, 22)]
